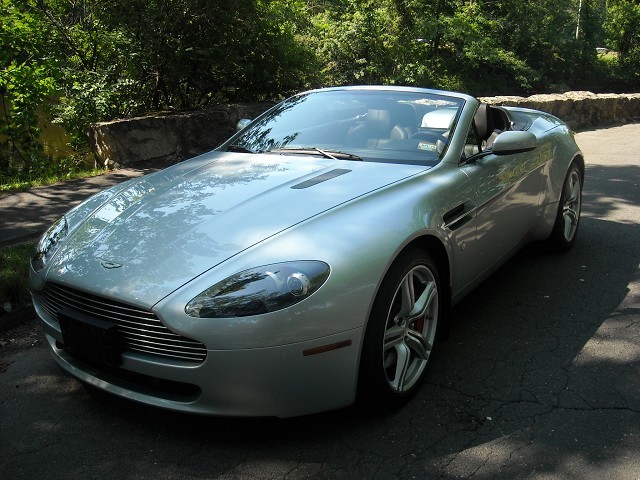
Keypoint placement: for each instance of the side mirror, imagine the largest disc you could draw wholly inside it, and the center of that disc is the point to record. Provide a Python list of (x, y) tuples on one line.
[(243, 122), (511, 142)]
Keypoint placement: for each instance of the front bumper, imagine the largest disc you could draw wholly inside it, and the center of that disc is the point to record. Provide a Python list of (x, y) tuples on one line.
[(289, 380)]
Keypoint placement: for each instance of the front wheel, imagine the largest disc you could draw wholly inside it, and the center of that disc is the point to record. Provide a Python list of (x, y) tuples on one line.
[(401, 330), (567, 222)]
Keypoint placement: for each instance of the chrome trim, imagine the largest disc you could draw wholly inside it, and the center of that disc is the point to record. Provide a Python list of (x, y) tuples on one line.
[(466, 213), (141, 330)]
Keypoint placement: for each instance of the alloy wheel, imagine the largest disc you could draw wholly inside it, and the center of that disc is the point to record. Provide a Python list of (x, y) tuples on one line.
[(572, 204), (410, 328)]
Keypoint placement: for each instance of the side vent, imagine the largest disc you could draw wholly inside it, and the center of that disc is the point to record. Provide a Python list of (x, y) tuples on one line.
[(459, 215)]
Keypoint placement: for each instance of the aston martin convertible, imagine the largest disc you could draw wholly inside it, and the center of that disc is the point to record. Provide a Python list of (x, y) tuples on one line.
[(311, 260)]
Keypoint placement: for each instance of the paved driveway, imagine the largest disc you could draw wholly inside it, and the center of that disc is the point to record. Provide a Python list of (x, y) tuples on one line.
[(540, 379)]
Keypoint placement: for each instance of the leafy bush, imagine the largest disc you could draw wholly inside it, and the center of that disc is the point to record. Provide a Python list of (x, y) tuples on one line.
[(96, 61), (27, 78)]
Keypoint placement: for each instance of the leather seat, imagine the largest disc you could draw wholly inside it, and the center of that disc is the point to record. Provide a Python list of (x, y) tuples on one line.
[(383, 125), (405, 122), (483, 120), (375, 129)]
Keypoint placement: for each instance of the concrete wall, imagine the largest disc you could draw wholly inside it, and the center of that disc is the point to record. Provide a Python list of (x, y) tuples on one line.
[(181, 136)]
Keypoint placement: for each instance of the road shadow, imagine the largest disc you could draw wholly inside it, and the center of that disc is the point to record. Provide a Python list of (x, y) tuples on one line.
[(610, 190)]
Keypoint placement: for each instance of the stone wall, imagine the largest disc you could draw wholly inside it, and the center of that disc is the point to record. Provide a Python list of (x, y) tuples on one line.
[(184, 135), (580, 109), (167, 136)]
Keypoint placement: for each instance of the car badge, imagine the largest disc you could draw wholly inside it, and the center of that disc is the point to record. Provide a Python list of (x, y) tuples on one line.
[(109, 265)]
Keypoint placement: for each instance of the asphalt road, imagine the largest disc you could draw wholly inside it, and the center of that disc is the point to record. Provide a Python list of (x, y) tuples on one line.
[(539, 379)]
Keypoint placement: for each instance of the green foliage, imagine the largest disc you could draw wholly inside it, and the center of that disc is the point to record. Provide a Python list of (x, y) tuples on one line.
[(622, 26), (14, 274), (441, 44), (129, 57), (357, 43), (471, 42), (622, 31), (94, 61), (27, 78), (543, 36), (104, 60)]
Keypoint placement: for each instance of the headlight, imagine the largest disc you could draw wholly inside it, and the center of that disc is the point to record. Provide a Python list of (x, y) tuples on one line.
[(47, 243), (260, 290)]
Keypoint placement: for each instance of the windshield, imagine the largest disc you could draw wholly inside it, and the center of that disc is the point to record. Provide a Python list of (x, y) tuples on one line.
[(380, 126)]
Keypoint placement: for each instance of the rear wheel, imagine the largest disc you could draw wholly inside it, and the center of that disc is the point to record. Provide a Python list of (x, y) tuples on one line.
[(567, 222), (401, 330)]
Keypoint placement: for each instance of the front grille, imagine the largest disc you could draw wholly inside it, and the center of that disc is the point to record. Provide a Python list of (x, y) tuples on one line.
[(140, 329)]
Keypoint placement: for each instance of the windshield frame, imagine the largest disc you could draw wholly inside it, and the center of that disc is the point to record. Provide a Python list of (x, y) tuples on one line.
[(258, 136)]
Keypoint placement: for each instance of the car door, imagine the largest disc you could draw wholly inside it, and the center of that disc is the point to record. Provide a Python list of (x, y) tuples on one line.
[(507, 192)]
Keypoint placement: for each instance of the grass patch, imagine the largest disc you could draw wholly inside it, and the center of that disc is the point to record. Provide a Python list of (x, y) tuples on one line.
[(14, 274), (11, 185)]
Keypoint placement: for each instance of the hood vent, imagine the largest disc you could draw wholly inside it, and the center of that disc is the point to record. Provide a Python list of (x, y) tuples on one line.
[(321, 178)]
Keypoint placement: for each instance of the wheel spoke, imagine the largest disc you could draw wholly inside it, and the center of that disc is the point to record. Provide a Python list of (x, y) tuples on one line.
[(571, 215), (418, 344), (407, 296), (569, 226), (393, 336), (575, 192), (424, 302), (403, 360)]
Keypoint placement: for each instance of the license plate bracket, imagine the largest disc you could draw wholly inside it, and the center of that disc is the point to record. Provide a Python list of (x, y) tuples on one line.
[(93, 339)]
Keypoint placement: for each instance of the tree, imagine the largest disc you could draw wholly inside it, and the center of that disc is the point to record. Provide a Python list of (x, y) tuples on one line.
[(622, 26), (622, 33), (356, 42), (102, 60), (129, 57), (484, 64), (28, 75)]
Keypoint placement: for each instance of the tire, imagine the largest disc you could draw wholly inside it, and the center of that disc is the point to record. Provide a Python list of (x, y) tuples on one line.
[(565, 229), (401, 331)]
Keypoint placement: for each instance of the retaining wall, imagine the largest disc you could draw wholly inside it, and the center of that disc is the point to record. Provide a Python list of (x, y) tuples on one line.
[(580, 109), (181, 136), (167, 136)]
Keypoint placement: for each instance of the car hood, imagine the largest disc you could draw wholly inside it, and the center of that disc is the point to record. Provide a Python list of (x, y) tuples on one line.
[(158, 232)]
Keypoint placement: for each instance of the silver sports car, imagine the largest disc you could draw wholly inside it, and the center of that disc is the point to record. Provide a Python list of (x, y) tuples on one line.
[(309, 260)]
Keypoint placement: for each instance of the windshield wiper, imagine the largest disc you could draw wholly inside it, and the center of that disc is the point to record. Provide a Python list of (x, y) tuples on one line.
[(238, 149), (332, 154)]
